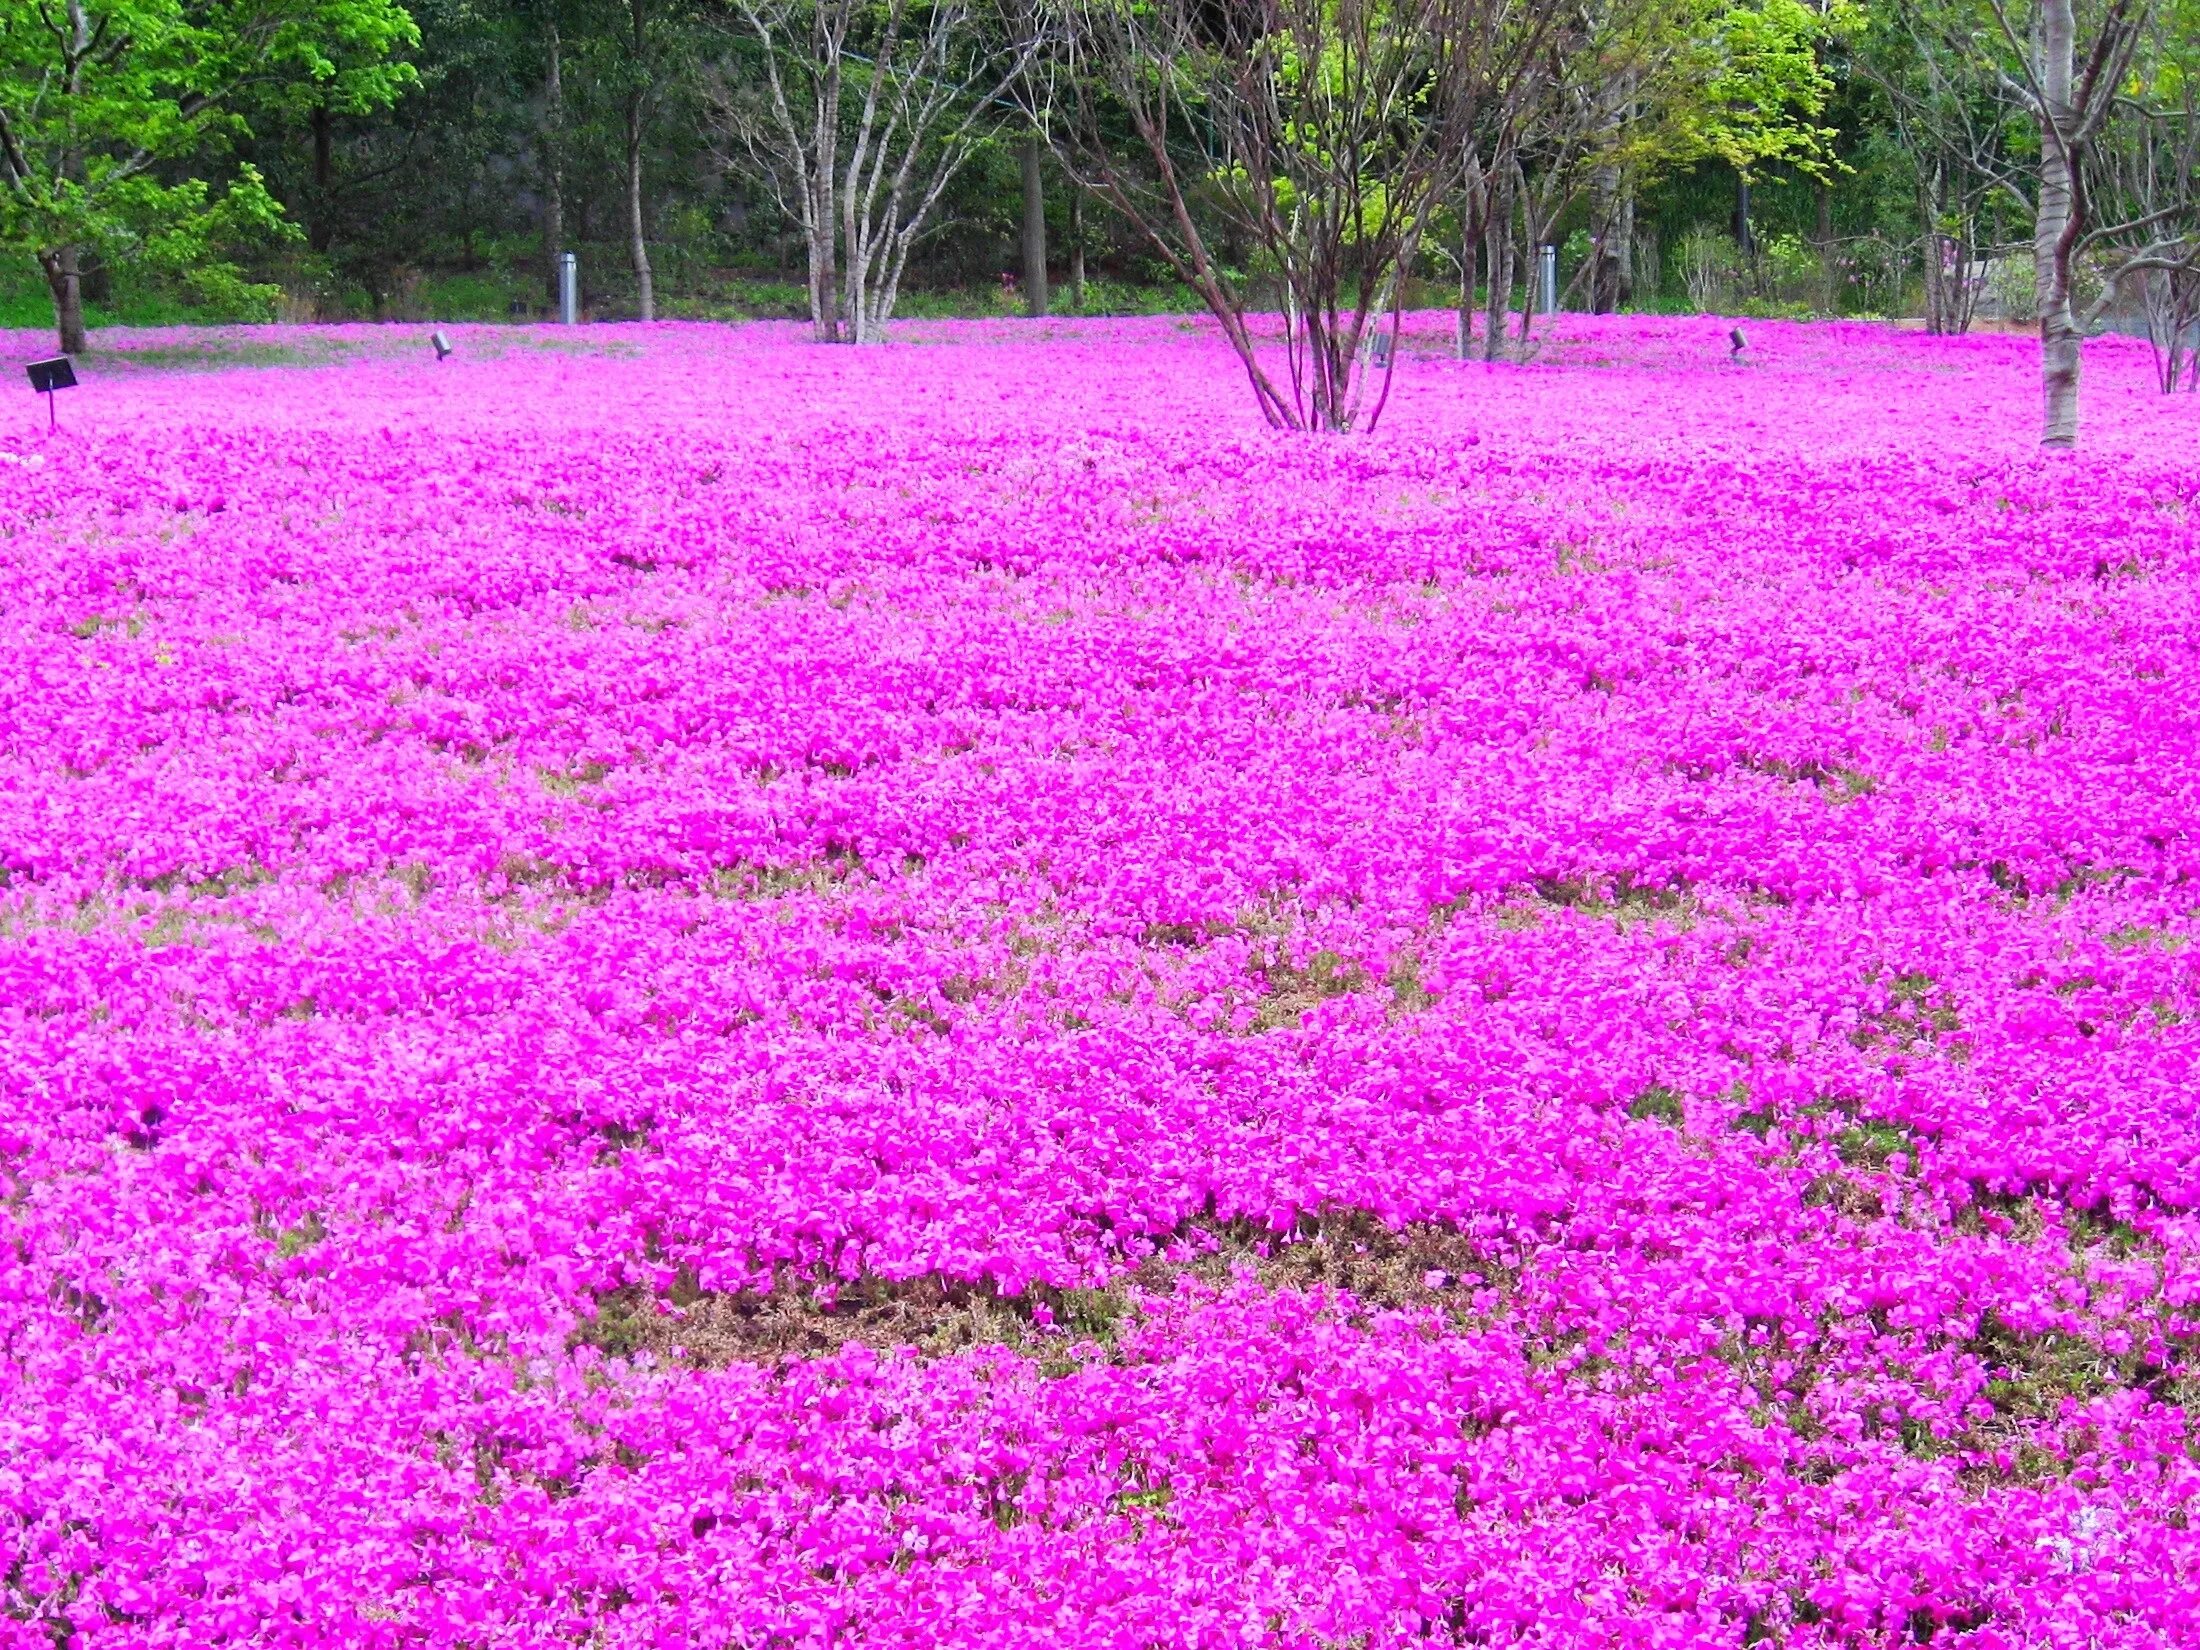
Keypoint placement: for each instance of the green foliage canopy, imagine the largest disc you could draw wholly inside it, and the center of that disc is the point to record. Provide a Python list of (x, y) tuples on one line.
[(106, 107), (1740, 81)]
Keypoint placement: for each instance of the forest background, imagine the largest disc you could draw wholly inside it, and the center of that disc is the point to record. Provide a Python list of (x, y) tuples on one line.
[(350, 159)]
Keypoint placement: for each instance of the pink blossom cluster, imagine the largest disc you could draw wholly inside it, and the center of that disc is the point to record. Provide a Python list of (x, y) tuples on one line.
[(1689, 862)]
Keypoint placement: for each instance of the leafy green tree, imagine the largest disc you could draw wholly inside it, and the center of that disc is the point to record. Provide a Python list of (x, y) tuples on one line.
[(105, 103), (635, 54), (1758, 84), (1624, 92), (385, 191)]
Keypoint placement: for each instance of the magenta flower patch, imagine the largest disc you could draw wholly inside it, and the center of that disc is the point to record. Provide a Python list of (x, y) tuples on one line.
[(690, 990)]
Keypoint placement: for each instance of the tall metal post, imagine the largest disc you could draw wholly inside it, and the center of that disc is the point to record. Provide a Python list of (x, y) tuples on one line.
[(569, 288), (1546, 270)]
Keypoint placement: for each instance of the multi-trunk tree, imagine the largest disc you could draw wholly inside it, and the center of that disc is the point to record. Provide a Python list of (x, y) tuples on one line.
[(2145, 191), (858, 114), (2109, 182), (1321, 136)]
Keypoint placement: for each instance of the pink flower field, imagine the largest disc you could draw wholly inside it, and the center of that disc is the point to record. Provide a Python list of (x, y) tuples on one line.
[(673, 988)]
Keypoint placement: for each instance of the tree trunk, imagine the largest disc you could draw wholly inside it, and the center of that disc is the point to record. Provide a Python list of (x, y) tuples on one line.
[(1604, 276), (2056, 228), (856, 257), (824, 279), (645, 285), (1626, 259), (1077, 249), (1497, 249), (821, 208), (637, 109), (553, 195), (1936, 295), (1744, 238), (1470, 255), (1035, 230), (321, 231), (1535, 235), (65, 283)]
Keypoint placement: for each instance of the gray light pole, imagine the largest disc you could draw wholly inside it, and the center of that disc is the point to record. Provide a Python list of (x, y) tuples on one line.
[(569, 288)]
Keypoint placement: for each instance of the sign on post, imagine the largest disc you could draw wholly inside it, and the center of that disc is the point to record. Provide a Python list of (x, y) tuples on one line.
[(48, 376)]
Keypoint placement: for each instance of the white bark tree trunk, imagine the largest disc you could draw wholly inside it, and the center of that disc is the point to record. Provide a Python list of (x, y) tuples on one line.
[(863, 174), (821, 214), (2056, 229)]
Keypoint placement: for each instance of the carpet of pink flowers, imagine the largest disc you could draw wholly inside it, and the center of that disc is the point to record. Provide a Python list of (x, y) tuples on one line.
[(687, 818)]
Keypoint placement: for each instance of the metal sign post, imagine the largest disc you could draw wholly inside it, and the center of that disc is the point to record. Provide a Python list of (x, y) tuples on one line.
[(48, 376), (1547, 278), (569, 288)]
